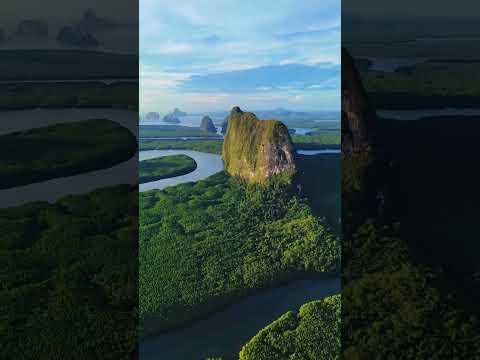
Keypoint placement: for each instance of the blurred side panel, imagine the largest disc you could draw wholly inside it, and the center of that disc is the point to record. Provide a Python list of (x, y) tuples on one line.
[(410, 129), (68, 179)]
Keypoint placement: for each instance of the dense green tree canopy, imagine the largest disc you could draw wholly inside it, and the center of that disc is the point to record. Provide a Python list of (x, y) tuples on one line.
[(165, 167), (311, 334), (205, 244)]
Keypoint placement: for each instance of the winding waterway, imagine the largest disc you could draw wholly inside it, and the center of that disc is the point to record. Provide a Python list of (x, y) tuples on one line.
[(124, 173), (223, 333), (207, 164), (54, 189), (319, 152)]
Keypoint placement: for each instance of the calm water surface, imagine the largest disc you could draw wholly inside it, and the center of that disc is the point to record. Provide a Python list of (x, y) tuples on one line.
[(317, 152), (207, 165), (54, 189), (223, 333)]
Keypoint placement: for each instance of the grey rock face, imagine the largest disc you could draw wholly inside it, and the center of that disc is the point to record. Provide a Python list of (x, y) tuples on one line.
[(207, 125), (358, 118)]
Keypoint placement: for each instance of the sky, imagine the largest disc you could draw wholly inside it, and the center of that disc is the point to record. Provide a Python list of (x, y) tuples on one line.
[(211, 55)]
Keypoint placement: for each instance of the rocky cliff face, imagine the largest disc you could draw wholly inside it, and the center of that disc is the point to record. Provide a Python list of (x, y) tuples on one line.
[(225, 125), (207, 125), (364, 190), (257, 150), (358, 117)]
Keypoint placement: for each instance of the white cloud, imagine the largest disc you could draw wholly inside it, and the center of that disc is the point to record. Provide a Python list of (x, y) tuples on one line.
[(170, 48), (173, 46)]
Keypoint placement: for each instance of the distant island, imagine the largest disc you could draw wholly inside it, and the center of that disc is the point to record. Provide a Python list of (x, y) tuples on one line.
[(178, 113), (76, 36), (207, 125), (151, 116), (171, 119)]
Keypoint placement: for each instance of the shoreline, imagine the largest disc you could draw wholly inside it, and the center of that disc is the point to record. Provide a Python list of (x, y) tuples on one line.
[(285, 282)]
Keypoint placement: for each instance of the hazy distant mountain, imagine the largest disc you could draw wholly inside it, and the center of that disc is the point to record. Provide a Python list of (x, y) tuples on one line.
[(151, 116), (286, 115), (32, 28), (178, 113), (171, 119), (280, 112), (207, 125), (76, 36)]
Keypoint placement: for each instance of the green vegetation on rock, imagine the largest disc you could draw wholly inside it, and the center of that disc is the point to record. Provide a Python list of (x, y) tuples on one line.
[(72, 148), (314, 333), (256, 150), (165, 167)]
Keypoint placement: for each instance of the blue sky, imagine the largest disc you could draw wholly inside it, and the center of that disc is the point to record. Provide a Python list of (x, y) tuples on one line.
[(202, 55)]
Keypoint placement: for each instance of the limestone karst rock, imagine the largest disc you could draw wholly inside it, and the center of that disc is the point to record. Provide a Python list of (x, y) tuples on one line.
[(364, 169), (207, 125), (171, 119), (178, 113), (358, 117), (257, 150)]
